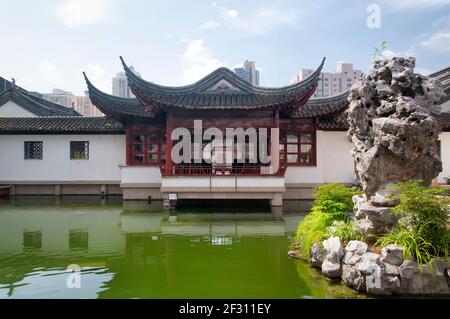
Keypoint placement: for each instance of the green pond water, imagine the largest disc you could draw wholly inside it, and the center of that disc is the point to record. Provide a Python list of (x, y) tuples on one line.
[(136, 250)]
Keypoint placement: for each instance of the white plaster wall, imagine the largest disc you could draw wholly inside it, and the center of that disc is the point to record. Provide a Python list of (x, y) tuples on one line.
[(260, 182), (444, 137), (334, 162), (106, 153), (141, 175), (11, 109)]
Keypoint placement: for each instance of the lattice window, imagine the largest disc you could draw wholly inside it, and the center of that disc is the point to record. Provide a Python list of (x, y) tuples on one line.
[(298, 148), (79, 150), (147, 148), (33, 150)]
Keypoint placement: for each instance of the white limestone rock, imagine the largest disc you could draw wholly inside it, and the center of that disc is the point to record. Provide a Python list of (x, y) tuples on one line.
[(317, 256), (416, 281), (330, 269), (392, 254), (393, 133), (357, 247), (353, 278), (334, 252)]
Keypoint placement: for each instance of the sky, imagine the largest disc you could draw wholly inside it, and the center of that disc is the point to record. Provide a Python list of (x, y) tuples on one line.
[(47, 44)]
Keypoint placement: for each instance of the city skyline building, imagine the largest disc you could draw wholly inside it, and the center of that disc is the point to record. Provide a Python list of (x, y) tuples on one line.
[(331, 83), (120, 85), (248, 72), (81, 104)]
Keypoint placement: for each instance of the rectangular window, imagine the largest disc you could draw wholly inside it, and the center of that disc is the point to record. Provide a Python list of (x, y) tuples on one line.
[(297, 147), (33, 150), (147, 147), (79, 150)]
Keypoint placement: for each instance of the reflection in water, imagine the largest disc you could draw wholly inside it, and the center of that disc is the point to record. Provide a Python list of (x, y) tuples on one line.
[(136, 250)]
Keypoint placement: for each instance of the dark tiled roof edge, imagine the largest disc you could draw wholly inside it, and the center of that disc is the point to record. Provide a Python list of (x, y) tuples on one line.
[(34, 104), (60, 125)]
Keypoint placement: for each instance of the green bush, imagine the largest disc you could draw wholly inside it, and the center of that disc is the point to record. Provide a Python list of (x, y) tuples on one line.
[(337, 193), (414, 246), (312, 229), (332, 202), (345, 230), (423, 225)]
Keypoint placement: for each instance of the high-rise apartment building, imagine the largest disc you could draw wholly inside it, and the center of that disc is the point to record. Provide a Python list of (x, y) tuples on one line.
[(85, 107), (120, 85), (81, 104), (330, 83), (248, 72)]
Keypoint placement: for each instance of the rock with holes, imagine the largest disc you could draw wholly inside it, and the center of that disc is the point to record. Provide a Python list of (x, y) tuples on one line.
[(393, 134)]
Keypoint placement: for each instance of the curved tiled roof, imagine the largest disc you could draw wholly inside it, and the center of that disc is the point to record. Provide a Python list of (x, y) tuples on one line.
[(60, 125), (222, 89), (323, 106), (114, 105), (34, 104)]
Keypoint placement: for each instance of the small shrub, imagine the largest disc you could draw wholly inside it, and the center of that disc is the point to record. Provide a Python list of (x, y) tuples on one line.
[(345, 230), (312, 229), (414, 246), (424, 212), (332, 202), (337, 193), (422, 229)]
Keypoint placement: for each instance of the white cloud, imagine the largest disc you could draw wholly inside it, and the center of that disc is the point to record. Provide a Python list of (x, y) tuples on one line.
[(75, 13), (260, 21), (413, 4), (209, 25), (197, 62), (231, 13), (390, 54), (49, 72), (97, 75), (439, 41)]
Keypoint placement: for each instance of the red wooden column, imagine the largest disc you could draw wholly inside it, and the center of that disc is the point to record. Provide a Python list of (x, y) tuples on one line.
[(276, 148), (169, 129), (128, 145)]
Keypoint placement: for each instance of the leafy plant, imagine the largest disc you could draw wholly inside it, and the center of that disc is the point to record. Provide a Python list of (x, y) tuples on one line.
[(345, 230), (414, 246), (334, 192), (422, 229), (332, 203), (312, 229), (424, 211), (378, 55)]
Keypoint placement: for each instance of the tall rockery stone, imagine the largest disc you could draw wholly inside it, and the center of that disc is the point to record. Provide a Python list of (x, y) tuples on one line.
[(393, 133)]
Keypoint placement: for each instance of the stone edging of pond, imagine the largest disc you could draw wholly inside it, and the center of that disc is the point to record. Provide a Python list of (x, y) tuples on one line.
[(378, 274)]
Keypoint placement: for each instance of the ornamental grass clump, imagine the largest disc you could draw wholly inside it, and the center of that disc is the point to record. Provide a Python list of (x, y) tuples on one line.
[(332, 203), (345, 230), (422, 229)]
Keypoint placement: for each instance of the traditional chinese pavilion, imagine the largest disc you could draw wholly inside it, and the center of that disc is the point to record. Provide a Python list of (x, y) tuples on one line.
[(223, 100)]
